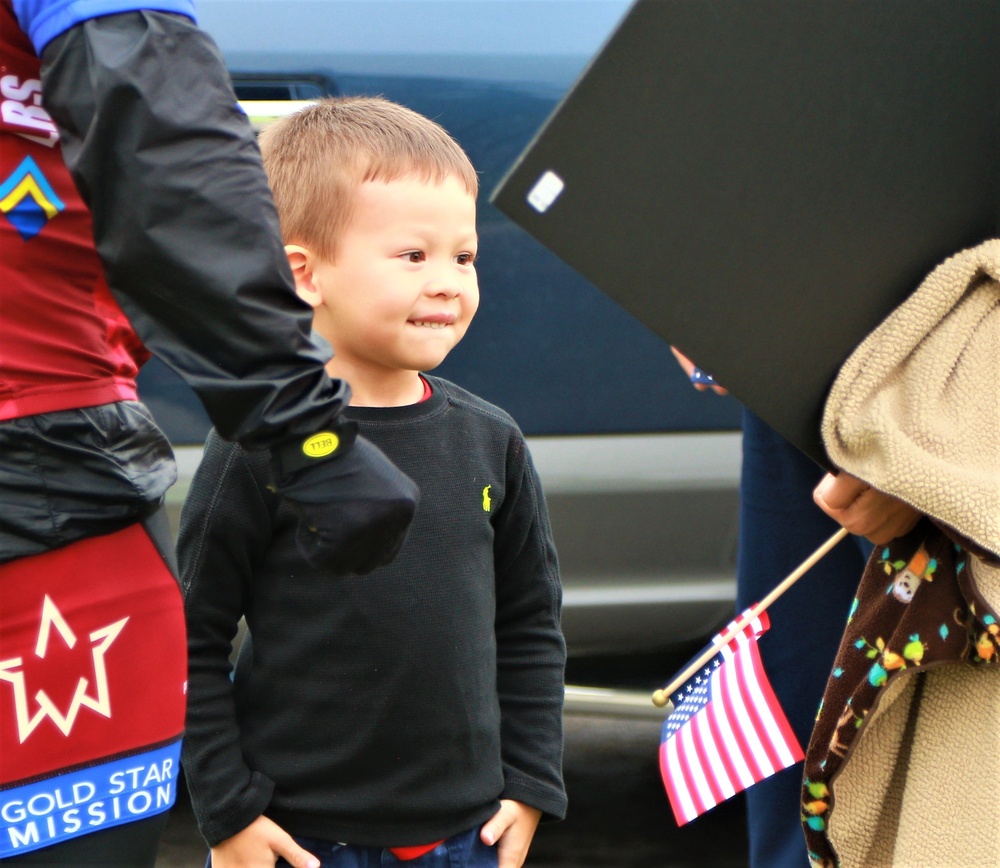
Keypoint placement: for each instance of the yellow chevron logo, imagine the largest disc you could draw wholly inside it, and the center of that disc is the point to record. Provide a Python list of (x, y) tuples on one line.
[(28, 200)]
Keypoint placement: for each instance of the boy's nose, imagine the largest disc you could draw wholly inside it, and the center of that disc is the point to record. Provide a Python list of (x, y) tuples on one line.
[(444, 284)]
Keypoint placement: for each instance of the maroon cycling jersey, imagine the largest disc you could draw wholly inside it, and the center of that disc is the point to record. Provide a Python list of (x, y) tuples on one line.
[(64, 342)]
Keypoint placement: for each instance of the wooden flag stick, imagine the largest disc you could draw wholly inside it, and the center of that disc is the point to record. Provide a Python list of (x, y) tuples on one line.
[(661, 698)]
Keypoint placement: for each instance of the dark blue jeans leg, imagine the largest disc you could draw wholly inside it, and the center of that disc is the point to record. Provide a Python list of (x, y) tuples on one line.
[(780, 527)]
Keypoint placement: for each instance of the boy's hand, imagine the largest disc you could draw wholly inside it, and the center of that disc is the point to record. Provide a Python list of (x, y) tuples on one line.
[(863, 510), (354, 509), (511, 829), (258, 846)]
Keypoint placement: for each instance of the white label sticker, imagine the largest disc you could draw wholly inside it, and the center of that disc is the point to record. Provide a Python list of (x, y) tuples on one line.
[(546, 190)]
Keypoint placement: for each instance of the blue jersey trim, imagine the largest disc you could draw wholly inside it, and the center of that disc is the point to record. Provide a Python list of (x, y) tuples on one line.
[(44, 20), (76, 803)]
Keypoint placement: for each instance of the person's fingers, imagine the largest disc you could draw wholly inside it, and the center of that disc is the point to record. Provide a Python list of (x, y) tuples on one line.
[(494, 828), (688, 367), (284, 845), (686, 364), (511, 829), (895, 519), (863, 510), (838, 492), (512, 848), (509, 857)]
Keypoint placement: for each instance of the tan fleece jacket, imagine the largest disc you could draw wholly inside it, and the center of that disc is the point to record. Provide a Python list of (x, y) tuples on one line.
[(905, 755)]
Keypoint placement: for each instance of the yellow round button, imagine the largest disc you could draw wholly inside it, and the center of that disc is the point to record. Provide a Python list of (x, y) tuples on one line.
[(320, 445)]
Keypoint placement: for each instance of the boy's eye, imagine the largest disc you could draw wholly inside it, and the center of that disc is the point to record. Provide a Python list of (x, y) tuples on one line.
[(414, 256), (465, 258)]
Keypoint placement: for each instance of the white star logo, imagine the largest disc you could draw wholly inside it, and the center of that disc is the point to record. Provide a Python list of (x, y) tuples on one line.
[(101, 640)]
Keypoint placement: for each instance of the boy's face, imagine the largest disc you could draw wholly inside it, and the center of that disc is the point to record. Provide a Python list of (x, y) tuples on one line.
[(403, 288)]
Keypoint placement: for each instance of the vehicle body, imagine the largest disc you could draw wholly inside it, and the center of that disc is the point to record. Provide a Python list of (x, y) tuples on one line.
[(640, 471)]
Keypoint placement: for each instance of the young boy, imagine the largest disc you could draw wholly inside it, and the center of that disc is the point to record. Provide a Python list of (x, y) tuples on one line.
[(415, 714)]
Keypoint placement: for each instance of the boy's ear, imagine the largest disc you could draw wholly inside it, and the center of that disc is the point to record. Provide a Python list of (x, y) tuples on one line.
[(301, 261)]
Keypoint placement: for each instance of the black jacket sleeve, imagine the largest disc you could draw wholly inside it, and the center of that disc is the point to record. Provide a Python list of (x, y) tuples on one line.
[(184, 221)]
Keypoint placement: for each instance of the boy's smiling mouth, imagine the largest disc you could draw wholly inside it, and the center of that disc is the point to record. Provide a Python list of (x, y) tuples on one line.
[(434, 320)]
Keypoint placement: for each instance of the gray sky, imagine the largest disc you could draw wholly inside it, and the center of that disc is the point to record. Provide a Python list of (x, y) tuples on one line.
[(504, 27)]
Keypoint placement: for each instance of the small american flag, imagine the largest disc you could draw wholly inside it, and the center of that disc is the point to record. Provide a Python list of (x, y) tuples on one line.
[(727, 730)]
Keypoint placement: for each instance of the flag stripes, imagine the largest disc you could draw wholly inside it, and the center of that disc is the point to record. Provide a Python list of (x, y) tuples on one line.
[(727, 730)]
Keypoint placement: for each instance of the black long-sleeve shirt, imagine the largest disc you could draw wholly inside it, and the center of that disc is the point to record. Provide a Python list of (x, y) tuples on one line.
[(390, 709)]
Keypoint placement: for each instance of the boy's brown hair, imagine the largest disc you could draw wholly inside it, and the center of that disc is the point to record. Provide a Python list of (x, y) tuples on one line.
[(316, 157)]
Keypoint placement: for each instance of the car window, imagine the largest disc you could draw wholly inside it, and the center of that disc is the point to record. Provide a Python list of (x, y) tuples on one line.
[(546, 345)]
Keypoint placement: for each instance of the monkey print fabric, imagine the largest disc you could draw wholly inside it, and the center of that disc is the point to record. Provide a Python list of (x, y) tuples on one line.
[(916, 607)]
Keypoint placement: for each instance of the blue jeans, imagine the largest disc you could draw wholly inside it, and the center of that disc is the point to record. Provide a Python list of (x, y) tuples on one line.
[(779, 527), (464, 850)]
